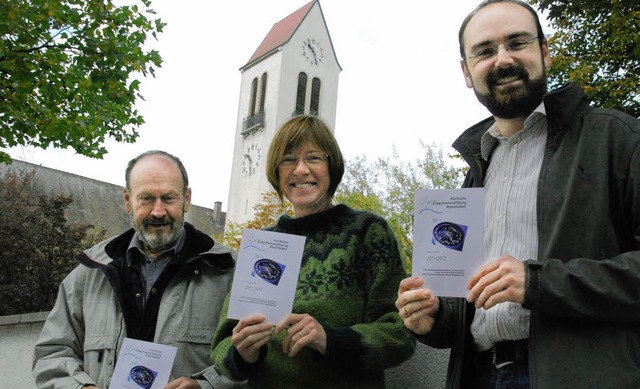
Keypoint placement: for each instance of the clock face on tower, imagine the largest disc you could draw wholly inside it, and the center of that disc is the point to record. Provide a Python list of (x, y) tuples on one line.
[(312, 52), (251, 160)]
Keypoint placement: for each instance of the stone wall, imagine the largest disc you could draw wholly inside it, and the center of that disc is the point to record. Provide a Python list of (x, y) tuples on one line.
[(100, 203), (19, 333)]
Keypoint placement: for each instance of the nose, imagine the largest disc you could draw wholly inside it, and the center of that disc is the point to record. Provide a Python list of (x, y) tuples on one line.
[(503, 56), (158, 209), (301, 167)]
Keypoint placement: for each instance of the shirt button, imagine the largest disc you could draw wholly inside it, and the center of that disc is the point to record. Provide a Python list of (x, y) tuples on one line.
[(155, 264), (154, 291), (138, 295), (196, 272)]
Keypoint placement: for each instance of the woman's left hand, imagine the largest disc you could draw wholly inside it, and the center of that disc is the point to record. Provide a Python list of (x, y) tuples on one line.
[(302, 330)]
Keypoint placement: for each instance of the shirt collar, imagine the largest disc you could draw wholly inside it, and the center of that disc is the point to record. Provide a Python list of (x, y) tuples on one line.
[(492, 137)]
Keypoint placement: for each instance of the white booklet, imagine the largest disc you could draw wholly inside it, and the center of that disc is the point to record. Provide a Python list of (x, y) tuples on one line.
[(143, 365), (448, 238), (266, 275)]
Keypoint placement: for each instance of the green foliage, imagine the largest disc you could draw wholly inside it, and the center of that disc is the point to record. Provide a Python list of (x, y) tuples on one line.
[(387, 186), (596, 44), (67, 72), (37, 245)]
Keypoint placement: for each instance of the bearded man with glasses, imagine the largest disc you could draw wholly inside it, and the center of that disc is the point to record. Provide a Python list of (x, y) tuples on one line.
[(557, 300)]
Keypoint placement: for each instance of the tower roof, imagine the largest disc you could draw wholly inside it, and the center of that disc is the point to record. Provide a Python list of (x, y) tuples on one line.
[(281, 33)]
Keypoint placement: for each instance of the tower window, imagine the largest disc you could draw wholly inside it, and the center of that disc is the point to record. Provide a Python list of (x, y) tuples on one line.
[(263, 91), (254, 95), (315, 96), (301, 94)]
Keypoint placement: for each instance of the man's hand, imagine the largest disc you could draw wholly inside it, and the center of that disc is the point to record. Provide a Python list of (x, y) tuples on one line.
[(500, 280), (417, 307), (182, 383)]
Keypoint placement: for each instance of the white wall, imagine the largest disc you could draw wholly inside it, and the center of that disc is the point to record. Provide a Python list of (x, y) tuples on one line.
[(18, 334)]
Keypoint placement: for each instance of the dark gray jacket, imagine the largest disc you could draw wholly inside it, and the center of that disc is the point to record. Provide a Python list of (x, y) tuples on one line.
[(583, 290)]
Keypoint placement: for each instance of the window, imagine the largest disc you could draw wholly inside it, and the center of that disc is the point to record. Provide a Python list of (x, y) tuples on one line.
[(315, 96), (254, 95), (263, 91), (301, 95)]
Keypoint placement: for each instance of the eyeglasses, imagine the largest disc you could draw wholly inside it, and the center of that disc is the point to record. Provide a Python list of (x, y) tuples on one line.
[(489, 50), (309, 159)]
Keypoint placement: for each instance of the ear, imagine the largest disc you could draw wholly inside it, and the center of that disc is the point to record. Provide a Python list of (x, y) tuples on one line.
[(127, 201), (546, 54), (467, 76), (187, 200)]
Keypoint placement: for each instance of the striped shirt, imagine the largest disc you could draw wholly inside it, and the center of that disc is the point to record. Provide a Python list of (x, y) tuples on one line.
[(510, 218)]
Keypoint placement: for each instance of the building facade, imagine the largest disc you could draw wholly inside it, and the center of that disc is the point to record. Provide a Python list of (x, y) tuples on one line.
[(293, 71)]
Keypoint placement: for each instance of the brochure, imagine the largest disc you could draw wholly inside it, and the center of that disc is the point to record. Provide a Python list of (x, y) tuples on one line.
[(448, 238), (143, 365), (266, 275)]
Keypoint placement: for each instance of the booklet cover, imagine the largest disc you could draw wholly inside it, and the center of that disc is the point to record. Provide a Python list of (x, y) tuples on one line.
[(143, 365), (448, 238), (266, 275)]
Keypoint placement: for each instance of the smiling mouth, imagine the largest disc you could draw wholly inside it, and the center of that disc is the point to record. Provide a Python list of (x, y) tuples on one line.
[(506, 80), (303, 185)]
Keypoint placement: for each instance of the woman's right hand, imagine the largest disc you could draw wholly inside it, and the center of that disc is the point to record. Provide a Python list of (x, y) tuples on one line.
[(417, 307), (249, 335)]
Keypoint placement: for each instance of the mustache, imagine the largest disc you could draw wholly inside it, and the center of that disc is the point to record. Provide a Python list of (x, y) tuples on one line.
[(511, 71), (157, 221)]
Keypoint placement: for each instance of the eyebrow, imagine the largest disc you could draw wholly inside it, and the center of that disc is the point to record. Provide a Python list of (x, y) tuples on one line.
[(486, 43)]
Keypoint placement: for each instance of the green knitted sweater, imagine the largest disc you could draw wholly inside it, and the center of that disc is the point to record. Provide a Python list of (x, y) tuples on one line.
[(351, 269)]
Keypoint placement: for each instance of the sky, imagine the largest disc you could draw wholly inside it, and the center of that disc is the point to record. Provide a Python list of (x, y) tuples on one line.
[(401, 84)]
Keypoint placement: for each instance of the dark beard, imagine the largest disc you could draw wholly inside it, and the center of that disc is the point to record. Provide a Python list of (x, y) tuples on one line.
[(514, 102)]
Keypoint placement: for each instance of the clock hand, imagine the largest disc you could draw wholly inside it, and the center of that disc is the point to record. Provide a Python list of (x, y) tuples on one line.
[(315, 57)]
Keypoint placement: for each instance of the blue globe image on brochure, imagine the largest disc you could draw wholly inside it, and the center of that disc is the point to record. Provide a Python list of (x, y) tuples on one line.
[(449, 235), (269, 270), (143, 376)]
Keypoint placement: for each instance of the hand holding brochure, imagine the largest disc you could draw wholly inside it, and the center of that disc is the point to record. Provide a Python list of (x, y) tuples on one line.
[(448, 238), (266, 275), (143, 365)]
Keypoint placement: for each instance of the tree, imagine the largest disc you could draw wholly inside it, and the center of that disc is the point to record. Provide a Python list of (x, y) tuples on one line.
[(387, 187), (37, 245), (267, 213), (66, 72), (595, 43)]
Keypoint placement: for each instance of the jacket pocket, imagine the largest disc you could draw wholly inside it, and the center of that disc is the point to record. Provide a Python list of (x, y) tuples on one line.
[(99, 357)]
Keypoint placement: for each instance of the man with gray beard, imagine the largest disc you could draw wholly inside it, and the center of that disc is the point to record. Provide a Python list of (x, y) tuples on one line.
[(162, 281)]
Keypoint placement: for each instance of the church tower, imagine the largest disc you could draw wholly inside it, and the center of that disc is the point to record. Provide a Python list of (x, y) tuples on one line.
[(293, 71)]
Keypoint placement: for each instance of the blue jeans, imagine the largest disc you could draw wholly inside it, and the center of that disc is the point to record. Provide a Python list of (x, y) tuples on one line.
[(511, 376)]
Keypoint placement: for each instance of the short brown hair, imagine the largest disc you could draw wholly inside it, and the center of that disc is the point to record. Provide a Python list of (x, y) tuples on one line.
[(295, 132)]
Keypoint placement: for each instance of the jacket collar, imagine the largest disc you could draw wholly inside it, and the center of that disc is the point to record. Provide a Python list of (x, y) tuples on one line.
[(561, 105), (197, 245)]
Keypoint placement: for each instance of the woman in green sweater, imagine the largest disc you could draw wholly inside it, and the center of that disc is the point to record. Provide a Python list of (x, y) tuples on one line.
[(344, 329)]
